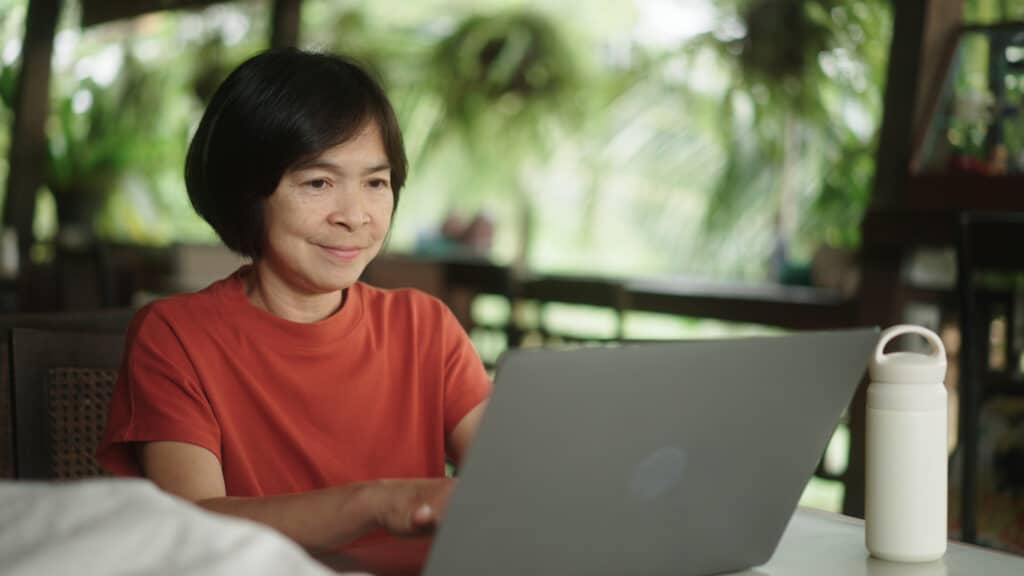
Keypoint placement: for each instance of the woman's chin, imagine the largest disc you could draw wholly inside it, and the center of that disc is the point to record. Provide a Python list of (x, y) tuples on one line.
[(337, 282)]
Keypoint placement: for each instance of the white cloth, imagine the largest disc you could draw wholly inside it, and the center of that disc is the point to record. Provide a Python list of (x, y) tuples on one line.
[(121, 527)]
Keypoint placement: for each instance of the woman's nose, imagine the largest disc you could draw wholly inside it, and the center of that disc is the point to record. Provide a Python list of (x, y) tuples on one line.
[(349, 211)]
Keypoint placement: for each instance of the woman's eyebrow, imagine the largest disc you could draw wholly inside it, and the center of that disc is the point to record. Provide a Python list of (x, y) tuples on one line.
[(384, 166), (337, 169), (318, 165)]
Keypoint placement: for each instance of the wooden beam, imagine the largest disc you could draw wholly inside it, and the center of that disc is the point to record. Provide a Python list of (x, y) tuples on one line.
[(100, 11), (28, 155), (963, 192), (284, 28)]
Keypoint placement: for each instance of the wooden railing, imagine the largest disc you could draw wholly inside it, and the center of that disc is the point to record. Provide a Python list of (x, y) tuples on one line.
[(457, 282)]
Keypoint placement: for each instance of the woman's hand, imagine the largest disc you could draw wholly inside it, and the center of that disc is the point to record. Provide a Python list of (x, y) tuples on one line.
[(409, 507)]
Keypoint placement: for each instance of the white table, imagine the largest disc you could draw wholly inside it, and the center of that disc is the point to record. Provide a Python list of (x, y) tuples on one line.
[(815, 543), (821, 543)]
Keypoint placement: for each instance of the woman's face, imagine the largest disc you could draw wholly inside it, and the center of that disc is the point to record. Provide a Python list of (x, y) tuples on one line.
[(328, 217)]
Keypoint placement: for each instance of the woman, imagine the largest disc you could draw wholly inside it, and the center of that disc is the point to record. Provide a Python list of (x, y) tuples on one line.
[(289, 393)]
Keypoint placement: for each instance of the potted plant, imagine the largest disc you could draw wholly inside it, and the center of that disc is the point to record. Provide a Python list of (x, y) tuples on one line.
[(96, 134)]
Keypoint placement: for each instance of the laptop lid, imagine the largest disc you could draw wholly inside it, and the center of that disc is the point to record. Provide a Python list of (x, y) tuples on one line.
[(682, 458)]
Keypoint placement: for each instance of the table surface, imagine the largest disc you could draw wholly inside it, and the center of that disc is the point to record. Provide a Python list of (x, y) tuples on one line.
[(819, 542), (815, 543)]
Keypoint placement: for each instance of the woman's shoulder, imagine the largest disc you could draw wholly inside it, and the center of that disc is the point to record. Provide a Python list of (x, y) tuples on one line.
[(185, 308), (413, 312), (174, 312)]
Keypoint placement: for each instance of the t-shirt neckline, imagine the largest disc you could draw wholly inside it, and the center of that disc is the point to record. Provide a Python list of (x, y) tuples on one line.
[(288, 333)]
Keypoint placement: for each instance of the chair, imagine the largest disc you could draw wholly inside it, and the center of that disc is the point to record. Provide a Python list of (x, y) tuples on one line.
[(74, 339), (62, 383), (114, 320), (988, 243), (76, 402)]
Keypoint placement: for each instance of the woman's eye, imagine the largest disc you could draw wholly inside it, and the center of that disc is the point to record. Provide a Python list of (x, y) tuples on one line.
[(378, 183), (318, 184)]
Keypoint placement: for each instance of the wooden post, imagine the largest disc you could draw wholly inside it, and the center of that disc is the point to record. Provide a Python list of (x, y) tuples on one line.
[(285, 24), (938, 44), (28, 133), (922, 32), (893, 158), (880, 268)]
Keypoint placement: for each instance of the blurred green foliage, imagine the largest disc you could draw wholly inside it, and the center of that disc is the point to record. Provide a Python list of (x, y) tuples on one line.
[(799, 115), (992, 11), (607, 137)]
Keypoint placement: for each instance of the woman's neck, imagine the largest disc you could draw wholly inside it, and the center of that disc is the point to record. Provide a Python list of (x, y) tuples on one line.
[(270, 293)]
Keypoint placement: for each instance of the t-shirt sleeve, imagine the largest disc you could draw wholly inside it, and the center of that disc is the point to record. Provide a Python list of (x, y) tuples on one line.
[(466, 381), (158, 397)]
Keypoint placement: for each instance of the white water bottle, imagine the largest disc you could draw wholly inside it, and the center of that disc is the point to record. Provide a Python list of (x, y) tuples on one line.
[(906, 475)]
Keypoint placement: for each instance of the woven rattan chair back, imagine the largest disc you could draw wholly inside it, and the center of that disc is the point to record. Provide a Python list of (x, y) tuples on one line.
[(62, 383), (113, 321), (77, 401)]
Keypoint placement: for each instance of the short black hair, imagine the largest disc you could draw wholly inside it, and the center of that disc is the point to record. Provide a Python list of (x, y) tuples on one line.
[(279, 108)]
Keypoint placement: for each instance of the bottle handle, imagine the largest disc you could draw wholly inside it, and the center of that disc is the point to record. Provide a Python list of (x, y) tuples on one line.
[(938, 350)]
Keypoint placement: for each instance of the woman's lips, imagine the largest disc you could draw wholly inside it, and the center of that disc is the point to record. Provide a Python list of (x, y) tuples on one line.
[(345, 253)]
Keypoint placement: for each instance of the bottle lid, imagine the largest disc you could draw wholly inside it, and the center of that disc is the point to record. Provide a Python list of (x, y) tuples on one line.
[(908, 367)]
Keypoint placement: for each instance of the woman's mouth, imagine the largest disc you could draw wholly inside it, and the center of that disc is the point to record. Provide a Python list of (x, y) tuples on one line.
[(343, 253)]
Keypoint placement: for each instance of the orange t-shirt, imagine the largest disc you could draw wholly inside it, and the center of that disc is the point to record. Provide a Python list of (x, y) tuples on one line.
[(370, 392)]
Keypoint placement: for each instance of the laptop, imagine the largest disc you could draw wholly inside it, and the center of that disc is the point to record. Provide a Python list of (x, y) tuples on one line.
[(685, 458)]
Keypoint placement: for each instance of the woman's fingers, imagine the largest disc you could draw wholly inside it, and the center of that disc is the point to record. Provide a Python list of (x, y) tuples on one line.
[(413, 506)]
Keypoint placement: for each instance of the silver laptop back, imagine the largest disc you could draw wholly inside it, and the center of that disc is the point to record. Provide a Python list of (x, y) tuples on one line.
[(681, 458)]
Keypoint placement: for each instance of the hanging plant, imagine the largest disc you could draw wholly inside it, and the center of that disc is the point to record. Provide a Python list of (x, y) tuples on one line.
[(509, 72), (783, 40), (507, 82), (212, 67), (783, 113)]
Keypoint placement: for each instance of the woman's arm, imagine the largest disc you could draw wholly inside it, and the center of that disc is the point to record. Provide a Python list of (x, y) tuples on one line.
[(318, 520), (464, 432)]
